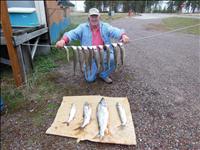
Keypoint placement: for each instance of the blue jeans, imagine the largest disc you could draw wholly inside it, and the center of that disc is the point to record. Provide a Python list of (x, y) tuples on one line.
[(90, 75)]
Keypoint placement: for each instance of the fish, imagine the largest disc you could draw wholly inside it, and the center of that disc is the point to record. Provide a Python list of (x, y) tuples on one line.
[(122, 52), (108, 55), (90, 48), (72, 114), (75, 57), (87, 112), (86, 58), (101, 53), (81, 58), (102, 117), (67, 51), (115, 50), (122, 114), (96, 57)]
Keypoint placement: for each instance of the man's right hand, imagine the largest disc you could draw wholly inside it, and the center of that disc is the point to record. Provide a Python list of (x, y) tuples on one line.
[(60, 44)]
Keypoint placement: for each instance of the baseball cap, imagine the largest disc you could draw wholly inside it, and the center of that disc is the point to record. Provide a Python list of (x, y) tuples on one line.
[(94, 11)]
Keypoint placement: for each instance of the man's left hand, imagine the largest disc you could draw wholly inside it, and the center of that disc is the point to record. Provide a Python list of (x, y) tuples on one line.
[(125, 38)]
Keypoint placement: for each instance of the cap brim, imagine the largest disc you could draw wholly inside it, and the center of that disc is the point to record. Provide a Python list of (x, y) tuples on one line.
[(94, 14)]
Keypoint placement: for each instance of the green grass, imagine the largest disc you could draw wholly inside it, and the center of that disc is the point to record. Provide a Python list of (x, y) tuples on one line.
[(179, 22)]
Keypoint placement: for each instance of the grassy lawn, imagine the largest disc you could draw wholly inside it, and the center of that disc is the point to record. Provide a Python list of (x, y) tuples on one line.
[(78, 18), (179, 22)]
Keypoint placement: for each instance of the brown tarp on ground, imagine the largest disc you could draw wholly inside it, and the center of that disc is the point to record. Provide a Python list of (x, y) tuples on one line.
[(115, 135)]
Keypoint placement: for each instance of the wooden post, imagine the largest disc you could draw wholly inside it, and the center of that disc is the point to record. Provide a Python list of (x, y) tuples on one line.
[(7, 32)]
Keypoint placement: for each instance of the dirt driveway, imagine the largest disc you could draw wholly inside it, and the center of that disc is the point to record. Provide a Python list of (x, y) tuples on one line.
[(161, 80)]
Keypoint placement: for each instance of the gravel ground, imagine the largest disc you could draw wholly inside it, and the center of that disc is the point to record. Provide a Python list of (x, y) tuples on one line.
[(161, 80)]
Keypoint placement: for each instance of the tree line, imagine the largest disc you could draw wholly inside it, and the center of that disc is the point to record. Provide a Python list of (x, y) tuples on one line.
[(142, 6)]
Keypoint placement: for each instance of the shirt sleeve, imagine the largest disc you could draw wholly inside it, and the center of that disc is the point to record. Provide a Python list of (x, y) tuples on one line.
[(74, 34), (115, 33)]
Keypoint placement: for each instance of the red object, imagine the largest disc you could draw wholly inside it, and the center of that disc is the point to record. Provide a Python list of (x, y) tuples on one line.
[(96, 36)]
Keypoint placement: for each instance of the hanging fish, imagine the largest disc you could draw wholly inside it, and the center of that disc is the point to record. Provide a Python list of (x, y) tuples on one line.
[(90, 48), (67, 51), (75, 57), (107, 47), (81, 58), (122, 52), (96, 57), (101, 52), (86, 58), (116, 51)]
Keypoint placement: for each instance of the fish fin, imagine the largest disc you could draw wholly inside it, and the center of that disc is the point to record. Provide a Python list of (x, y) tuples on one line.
[(97, 136), (78, 140), (121, 126), (65, 122)]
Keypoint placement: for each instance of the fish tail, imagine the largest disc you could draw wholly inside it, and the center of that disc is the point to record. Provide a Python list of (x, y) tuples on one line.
[(79, 128)]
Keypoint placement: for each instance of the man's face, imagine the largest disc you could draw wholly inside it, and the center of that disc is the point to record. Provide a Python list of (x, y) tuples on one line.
[(94, 20)]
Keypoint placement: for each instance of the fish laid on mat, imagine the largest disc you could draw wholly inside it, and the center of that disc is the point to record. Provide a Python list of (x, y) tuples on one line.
[(75, 57), (67, 51), (122, 114), (101, 53), (97, 58), (72, 114), (116, 53), (81, 58), (122, 52), (102, 117), (87, 112), (107, 47)]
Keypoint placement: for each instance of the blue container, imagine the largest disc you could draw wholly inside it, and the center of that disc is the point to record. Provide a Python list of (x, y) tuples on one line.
[(1, 104), (21, 17)]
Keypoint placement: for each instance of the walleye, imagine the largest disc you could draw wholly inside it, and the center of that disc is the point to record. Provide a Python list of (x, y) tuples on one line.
[(108, 55), (90, 48), (86, 58), (75, 57), (96, 57), (102, 117), (81, 58), (101, 52), (115, 50), (87, 111), (122, 114), (122, 52), (72, 114), (67, 51)]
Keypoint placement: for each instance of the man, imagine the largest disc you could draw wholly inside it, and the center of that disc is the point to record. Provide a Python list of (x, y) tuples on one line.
[(95, 33)]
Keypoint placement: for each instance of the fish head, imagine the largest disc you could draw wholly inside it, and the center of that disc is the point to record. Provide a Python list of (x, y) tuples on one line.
[(118, 104), (94, 47), (114, 44), (103, 102), (79, 48), (74, 47), (100, 46), (90, 47), (120, 44), (86, 104)]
